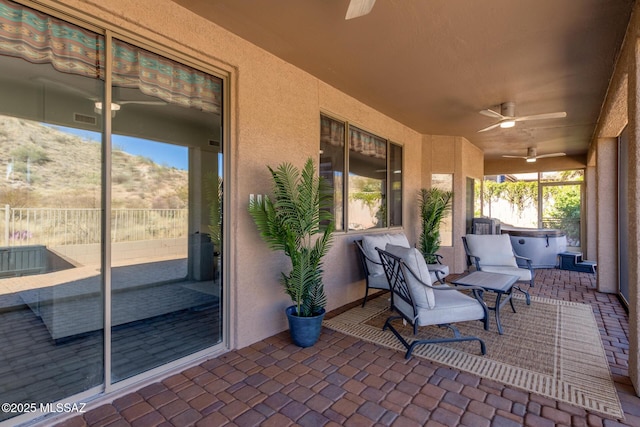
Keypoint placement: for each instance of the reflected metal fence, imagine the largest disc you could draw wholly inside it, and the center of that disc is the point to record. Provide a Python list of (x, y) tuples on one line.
[(58, 227), (569, 225)]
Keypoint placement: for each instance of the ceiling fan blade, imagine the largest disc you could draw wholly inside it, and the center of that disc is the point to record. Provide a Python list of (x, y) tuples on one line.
[(514, 157), (544, 116), (492, 114), (67, 88), (489, 127), (143, 102), (542, 156), (359, 8)]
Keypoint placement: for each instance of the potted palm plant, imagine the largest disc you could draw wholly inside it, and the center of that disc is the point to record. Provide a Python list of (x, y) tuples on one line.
[(434, 204), (293, 221)]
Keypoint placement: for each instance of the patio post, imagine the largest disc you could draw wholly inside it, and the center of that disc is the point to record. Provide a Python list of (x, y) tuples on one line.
[(607, 208), (634, 214)]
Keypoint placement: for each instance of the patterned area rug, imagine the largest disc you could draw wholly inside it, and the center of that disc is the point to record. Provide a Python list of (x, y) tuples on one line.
[(551, 348)]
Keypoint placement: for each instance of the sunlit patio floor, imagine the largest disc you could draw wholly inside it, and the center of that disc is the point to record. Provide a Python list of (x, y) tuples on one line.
[(342, 381)]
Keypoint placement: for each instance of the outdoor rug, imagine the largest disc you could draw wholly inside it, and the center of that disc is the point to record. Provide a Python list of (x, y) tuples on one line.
[(551, 348)]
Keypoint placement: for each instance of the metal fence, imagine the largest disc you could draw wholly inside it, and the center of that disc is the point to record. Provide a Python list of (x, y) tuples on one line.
[(57, 227), (569, 226)]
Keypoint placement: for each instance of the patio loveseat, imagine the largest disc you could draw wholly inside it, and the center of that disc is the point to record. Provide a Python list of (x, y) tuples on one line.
[(372, 267)]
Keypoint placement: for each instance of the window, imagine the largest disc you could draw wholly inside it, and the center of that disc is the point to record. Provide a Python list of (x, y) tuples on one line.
[(332, 137), (373, 184), (444, 181), (537, 200)]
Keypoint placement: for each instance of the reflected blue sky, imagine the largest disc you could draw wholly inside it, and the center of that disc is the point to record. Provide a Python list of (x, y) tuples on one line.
[(161, 153)]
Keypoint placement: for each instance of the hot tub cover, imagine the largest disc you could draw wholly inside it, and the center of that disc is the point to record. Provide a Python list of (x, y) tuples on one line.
[(533, 232)]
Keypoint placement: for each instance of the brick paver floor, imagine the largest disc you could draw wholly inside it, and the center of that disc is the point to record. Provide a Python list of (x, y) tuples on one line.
[(342, 381)]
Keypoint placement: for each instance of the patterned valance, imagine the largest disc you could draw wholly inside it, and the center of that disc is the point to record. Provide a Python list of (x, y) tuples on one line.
[(367, 144), (40, 38), (332, 132), (157, 76)]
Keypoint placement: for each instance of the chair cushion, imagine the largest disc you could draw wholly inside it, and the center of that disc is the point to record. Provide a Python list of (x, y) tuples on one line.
[(371, 241), (493, 249), (420, 287), (453, 306), (523, 273)]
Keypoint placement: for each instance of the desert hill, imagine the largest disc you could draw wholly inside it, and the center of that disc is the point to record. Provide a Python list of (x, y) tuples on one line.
[(42, 166)]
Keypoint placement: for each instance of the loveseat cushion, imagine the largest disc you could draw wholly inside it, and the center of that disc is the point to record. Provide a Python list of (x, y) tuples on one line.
[(420, 287), (371, 241), (493, 249), (378, 281)]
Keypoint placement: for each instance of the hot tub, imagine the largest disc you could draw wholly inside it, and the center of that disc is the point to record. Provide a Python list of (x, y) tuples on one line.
[(541, 245)]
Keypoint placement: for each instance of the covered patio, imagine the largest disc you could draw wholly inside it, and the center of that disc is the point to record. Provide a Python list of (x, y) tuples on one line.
[(349, 382), (431, 82)]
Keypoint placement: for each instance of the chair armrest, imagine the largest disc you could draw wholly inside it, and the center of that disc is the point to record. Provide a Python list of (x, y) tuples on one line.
[(440, 275), (364, 254), (527, 260), (476, 261), (364, 257)]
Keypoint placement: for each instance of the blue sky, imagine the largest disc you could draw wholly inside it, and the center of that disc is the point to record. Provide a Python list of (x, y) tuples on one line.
[(161, 153)]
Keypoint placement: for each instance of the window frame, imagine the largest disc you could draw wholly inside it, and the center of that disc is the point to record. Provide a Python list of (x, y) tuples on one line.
[(389, 182)]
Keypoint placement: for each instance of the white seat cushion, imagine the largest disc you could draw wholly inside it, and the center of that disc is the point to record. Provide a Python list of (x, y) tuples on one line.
[(492, 249), (523, 273), (372, 241), (453, 306), (420, 289)]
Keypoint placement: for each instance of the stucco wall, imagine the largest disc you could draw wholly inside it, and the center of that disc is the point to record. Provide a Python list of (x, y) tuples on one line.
[(274, 112), (622, 108), (457, 156)]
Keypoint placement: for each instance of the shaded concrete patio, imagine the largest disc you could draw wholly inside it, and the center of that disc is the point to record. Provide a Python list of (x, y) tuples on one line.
[(343, 381)]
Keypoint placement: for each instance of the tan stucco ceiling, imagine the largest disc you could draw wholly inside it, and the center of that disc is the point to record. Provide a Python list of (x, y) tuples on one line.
[(434, 64)]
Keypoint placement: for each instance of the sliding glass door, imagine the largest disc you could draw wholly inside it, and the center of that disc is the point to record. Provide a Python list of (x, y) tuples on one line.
[(166, 192), (111, 204), (51, 282)]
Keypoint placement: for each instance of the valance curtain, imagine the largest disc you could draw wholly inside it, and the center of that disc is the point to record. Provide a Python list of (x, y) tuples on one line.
[(165, 79), (42, 39), (367, 144), (332, 133)]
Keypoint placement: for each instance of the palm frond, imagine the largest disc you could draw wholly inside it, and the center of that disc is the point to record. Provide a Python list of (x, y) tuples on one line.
[(434, 205), (291, 222)]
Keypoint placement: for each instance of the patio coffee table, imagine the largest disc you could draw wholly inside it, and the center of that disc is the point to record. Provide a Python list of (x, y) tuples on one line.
[(501, 284)]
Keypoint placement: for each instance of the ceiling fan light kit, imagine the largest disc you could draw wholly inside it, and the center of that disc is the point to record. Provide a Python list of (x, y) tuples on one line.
[(114, 106), (532, 155), (507, 117)]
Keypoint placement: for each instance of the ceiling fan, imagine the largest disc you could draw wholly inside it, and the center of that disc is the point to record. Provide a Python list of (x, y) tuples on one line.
[(359, 8), (507, 118), (97, 104), (532, 155)]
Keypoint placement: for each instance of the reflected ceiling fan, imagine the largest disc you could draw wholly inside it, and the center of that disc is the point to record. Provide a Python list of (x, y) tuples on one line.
[(507, 117), (97, 104), (532, 155), (359, 8)]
